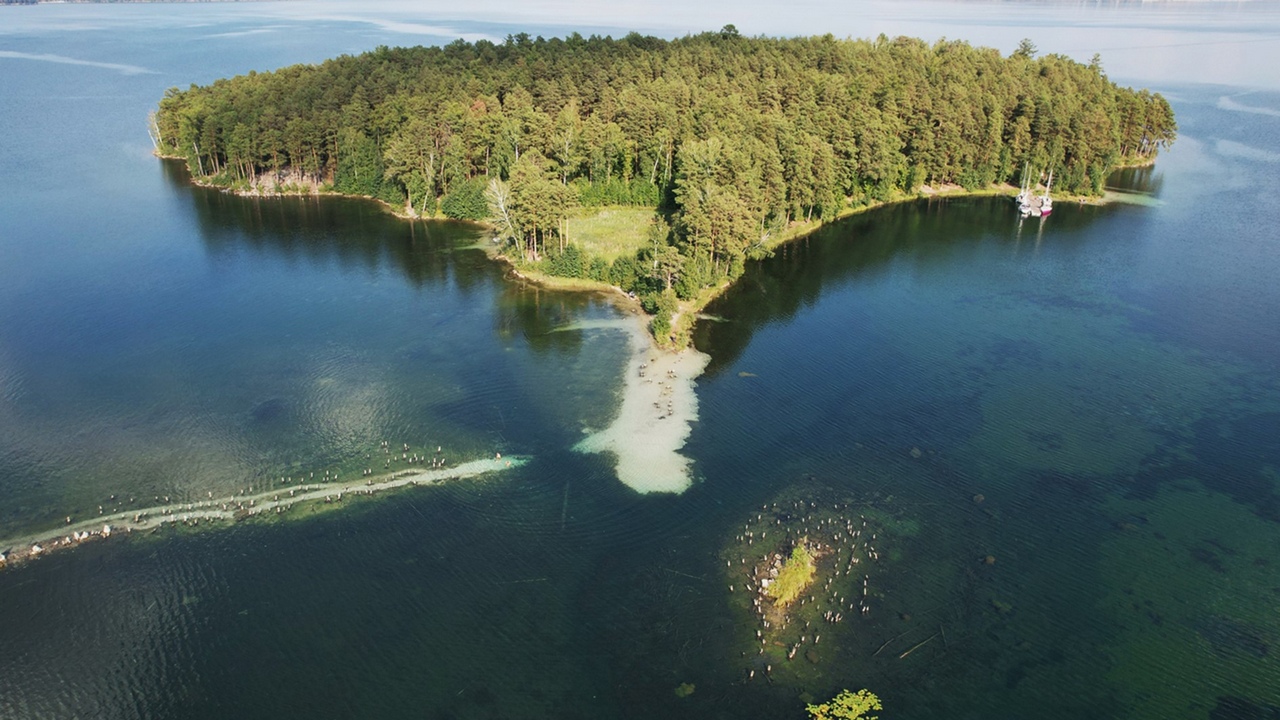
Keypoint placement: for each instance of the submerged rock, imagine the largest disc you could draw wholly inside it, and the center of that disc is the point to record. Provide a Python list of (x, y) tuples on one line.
[(1225, 636)]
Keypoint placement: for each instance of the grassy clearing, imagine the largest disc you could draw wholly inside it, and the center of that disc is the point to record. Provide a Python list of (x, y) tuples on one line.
[(611, 232), (796, 574)]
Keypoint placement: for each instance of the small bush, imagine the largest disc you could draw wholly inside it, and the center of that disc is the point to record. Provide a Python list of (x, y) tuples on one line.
[(571, 263), (796, 574), (664, 304), (599, 269), (847, 706), (465, 201), (696, 274), (624, 273)]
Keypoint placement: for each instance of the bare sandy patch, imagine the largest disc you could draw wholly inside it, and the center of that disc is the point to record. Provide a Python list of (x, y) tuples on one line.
[(655, 412)]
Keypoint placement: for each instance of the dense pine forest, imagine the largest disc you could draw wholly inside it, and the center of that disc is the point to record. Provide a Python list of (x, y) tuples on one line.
[(731, 139)]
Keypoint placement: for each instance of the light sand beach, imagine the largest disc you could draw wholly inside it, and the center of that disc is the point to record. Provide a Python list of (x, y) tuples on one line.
[(657, 406)]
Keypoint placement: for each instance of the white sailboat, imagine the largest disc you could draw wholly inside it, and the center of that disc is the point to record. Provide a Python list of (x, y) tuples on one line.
[(1034, 205), (1024, 194)]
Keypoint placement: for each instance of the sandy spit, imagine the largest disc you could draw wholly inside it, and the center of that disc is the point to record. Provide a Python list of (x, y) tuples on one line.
[(16, 551), (655, 412)]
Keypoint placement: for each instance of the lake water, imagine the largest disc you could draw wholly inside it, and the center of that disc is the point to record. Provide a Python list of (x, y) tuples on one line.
[(1091, 400)]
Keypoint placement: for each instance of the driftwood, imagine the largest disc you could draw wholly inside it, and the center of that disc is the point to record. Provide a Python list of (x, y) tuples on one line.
[(918, 645), (886, 642)]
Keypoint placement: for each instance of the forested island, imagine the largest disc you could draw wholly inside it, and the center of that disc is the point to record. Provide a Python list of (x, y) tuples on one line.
[(710, 149)]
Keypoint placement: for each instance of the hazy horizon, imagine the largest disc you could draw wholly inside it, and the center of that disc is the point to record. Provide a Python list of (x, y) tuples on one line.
[(1232, 43)]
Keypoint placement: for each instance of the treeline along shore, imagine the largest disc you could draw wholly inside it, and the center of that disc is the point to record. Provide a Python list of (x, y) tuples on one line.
[(723, 145)]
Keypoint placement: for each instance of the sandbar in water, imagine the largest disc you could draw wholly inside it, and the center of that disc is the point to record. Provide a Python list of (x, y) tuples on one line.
[(657, 406), (236, 507)]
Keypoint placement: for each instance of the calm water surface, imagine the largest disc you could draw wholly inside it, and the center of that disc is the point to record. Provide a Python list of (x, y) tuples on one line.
[(1106, 381)]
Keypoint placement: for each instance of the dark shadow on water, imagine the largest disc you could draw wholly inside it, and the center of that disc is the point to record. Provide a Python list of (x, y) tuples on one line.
[(919, 236), (1236, 708), (269, 411), (355, 235), (1146, 180), (539, 315), (362, 236), (1228, 454)]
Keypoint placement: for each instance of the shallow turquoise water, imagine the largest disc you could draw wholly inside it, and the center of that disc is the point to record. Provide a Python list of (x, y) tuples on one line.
[(1106, 380)]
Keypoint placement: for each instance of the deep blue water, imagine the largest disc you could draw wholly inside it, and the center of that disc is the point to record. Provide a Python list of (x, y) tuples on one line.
[(1106, 381)]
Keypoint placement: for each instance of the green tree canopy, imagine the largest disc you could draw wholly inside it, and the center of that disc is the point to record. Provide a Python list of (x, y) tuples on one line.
[(730, 138), (847, 706)]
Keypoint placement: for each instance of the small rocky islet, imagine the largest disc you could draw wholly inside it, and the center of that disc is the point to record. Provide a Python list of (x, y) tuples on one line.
[(843, 541)]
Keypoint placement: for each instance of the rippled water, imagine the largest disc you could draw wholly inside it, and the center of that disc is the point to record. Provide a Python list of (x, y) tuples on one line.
[(1091, 400)]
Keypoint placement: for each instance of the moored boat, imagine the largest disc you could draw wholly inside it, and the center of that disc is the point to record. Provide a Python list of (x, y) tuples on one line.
[(1024, 193), (1031, 205), (1046, 202)]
